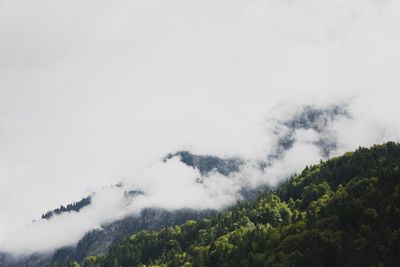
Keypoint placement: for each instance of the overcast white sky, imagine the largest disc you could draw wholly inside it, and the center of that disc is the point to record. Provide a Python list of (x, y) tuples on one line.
[(94, 92)]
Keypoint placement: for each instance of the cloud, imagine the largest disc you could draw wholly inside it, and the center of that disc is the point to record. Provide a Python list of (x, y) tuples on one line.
[(168, 185), (184, 180), (307, 122), (94, 93)]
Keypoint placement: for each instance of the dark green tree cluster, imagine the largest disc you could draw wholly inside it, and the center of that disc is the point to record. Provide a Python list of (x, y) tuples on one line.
[(342, 212), (76, 206)]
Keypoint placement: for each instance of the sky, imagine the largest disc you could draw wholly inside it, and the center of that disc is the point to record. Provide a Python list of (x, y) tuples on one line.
[(97, 92)]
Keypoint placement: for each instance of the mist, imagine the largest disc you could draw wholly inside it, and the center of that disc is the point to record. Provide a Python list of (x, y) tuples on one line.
[(96, 93)]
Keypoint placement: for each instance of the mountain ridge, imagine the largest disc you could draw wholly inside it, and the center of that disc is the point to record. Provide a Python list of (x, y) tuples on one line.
[(342, 212)]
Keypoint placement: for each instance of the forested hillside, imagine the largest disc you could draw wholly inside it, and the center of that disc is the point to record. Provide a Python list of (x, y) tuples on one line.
[(342, 212)]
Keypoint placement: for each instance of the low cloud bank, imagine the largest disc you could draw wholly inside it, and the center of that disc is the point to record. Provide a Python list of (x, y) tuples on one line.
[(302, 136)]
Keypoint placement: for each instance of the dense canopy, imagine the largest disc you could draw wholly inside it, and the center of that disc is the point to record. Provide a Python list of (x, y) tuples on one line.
[(342, 212)]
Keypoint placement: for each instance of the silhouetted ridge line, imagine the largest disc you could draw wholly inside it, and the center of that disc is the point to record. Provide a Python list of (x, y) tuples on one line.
[(76, 206), (205, 163)]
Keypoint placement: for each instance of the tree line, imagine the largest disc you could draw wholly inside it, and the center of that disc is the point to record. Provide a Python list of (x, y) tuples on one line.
[(341, 212)]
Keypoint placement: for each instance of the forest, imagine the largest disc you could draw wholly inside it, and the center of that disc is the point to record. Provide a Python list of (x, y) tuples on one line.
[(341, 212)]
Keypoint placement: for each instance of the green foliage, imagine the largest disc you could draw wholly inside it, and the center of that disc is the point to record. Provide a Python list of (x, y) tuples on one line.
[(93, 261), (342, 212)]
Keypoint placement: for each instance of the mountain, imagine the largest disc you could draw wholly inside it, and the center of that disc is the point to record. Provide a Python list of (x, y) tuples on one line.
[(206, 163), (342, 212), (307, 118), (98, 241)]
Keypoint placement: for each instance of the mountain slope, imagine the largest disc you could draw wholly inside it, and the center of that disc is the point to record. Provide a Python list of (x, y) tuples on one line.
[(98, 241), (206, 163), (342, 212)]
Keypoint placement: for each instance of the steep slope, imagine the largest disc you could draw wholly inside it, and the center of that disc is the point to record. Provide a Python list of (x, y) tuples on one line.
[(342, 212), (310, 118), (98, 241), (206, 163)]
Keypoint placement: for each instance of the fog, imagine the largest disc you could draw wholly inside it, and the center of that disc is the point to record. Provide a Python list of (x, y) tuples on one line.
[(95, 93)]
